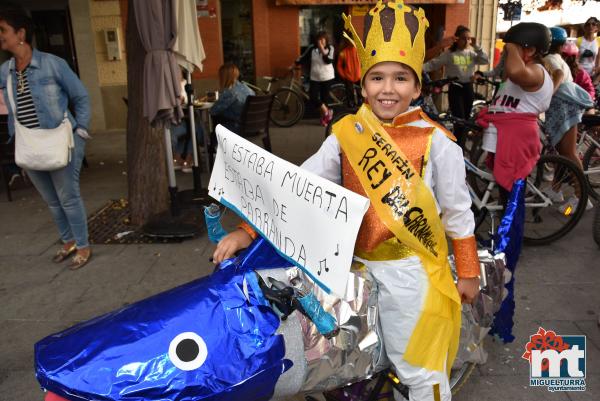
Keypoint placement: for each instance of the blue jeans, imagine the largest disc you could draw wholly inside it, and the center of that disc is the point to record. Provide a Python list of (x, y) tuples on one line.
[(60, 190), (178, 137)]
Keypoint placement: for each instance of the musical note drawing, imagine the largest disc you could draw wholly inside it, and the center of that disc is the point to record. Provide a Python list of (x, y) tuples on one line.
[(338, 250), (322, 265), (221, 192)]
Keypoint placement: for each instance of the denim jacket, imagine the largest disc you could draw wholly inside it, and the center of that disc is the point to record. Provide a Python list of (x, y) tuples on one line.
[(53, 86), (231, 102)]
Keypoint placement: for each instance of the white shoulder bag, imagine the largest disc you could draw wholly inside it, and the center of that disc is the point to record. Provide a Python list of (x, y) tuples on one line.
[(40, 149)]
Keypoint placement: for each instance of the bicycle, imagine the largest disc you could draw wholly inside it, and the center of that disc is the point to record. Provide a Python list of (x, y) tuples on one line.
[(596, 227), (543, 221), (289, 100), (588, 146)]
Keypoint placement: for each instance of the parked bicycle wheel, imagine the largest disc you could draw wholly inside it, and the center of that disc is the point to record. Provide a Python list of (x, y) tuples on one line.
[(591, 165), (596, 226), (339, 96), (546, 223), (288, 107)]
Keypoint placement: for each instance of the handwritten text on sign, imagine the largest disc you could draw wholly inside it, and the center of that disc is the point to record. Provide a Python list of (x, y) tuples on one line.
[(310, 220)]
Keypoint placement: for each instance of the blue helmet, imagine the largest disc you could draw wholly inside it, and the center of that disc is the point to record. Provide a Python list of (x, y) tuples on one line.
[(559, 35)]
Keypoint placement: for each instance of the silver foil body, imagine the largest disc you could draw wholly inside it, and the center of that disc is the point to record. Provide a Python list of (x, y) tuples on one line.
[(357, 352)]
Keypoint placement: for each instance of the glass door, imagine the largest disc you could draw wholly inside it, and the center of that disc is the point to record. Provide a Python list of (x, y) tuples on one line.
[(236, 28)]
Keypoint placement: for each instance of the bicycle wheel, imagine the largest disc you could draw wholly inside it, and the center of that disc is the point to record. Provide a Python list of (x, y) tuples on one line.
[(545, 223), (596, 226), (288, 107), (591, 166), (337, 95)]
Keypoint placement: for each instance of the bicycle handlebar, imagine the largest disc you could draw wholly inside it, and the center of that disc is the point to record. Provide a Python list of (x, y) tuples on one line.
[(438, 83)]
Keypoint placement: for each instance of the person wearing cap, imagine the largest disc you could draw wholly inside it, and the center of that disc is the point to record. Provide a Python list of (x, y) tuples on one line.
[(415, 181), (588, 44)]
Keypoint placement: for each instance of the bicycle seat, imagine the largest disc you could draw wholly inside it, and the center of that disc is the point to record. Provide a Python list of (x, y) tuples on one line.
[(590, 120)]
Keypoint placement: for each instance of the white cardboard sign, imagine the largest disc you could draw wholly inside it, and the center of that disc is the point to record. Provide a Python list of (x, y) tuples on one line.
[(311, 221)]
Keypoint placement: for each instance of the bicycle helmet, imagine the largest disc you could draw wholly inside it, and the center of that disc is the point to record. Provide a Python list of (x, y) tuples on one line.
[(529, 34), (570, 49), (559, 35)]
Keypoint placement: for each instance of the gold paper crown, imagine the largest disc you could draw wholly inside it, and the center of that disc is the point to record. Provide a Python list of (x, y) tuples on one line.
[(390, 38)]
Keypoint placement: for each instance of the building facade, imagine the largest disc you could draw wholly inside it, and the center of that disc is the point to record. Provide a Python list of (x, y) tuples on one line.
[(263, 37)]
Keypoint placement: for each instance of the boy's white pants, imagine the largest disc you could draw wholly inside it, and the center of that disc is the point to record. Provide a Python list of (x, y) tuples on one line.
[(403, 285)]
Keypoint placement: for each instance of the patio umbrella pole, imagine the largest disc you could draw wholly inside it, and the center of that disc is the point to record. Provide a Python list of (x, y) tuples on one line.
[(175, 209), (196, 167)]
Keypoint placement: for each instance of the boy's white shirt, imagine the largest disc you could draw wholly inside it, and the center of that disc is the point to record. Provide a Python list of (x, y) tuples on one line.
[(444, 174)]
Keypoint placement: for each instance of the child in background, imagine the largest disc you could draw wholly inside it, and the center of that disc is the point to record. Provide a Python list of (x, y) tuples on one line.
[(460, 61), (416, 176), (511, 130), (348, 67), (318, 58), (570, 54)]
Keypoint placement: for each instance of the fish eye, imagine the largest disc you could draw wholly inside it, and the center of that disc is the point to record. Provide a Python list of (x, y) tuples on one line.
[(188, 351)]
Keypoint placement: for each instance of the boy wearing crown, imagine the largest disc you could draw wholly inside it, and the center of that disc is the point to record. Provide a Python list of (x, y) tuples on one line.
[(412, 171)]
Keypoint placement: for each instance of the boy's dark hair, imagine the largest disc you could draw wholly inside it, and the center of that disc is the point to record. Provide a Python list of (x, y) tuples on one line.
[(459, 31), (17, 18)]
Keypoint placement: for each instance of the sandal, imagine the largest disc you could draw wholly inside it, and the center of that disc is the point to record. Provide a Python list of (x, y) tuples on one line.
[(64, 253), (80, 260)]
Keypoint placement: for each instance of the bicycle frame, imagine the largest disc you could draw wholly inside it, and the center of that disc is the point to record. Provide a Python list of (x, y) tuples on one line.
[(482, 203)]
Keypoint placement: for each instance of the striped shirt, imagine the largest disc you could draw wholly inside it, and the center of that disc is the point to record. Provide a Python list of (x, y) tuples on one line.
[(25, 107)]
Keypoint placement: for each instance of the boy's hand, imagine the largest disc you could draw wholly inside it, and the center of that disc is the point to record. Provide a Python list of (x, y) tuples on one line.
[(468, 288), (230, 244)]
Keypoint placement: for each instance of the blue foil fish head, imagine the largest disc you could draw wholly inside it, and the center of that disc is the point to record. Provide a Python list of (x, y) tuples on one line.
[(212, 339)]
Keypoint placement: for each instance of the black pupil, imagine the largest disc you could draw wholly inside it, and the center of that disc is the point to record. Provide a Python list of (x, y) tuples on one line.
[(187, 350)]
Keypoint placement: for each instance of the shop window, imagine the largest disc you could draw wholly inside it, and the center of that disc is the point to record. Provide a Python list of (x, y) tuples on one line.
[(320, 18), (236, 26)]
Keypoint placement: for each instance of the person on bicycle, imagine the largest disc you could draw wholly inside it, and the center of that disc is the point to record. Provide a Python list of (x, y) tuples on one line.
[(511, 129), (318, 58), (413, 172), (566, 108), (460, 61), (570, 54)]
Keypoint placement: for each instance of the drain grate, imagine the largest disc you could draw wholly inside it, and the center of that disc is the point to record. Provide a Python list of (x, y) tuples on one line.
[(111, 225)]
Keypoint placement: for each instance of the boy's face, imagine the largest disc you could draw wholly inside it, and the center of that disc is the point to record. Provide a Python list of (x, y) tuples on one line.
[(389, 87)]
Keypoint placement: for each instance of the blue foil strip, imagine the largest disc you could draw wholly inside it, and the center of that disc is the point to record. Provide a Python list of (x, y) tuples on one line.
[(509, 240), (125, 355)]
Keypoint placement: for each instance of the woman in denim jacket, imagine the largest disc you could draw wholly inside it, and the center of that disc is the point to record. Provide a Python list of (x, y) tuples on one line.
[(227, 110), (43, 86)]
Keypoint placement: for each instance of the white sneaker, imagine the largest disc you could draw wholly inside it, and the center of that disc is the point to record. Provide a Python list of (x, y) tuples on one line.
[(571, 205), (589, 205), (554, 196)]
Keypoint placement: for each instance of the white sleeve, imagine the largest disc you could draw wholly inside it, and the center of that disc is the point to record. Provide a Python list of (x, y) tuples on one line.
[(450, 187), (326, 162)]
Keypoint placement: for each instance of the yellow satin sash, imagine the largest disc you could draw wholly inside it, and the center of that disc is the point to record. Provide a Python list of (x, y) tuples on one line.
[(406, 206)]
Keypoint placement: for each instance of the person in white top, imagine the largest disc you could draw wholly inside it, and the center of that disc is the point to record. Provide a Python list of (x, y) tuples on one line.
[(588, 47), (319, 59)]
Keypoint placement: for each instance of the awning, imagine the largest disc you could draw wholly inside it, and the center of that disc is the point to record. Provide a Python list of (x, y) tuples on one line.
[(570, 13), (353, 2)]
